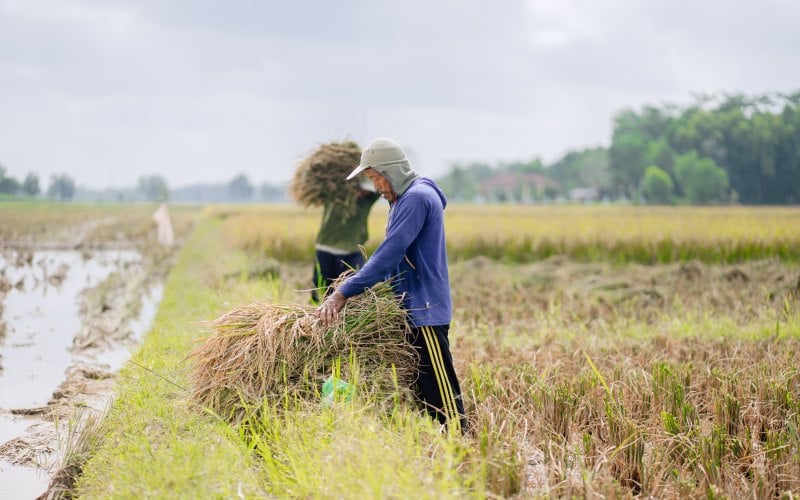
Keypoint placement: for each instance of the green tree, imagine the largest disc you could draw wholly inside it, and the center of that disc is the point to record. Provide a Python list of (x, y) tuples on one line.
[(463, 181), (458, 181), (270, 192), (8, 185), (153, 188), (627, 158), (787, 155), (62, 187), (701, 179), (30, 186), (660, 154), (581, 169), (755, 140), (240, 188), (657, 186)]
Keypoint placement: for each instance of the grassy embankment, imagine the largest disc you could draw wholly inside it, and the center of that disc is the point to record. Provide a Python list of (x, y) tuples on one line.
[(157, 443), (601, 376)]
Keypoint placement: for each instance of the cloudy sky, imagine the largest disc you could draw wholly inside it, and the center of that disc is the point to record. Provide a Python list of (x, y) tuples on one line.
[(201, 90)]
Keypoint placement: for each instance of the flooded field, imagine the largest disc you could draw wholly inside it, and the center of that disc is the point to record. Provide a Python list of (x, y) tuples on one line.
[(71, 319), (79, 287)]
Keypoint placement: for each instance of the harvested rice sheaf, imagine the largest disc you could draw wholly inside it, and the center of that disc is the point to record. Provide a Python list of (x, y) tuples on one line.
[(320, 178), (265, 350)]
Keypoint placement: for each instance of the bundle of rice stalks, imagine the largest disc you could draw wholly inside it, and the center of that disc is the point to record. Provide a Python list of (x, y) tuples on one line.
[(320, 178), (265, 350)]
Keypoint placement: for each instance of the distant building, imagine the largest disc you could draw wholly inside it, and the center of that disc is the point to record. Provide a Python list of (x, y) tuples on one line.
[(524, 188), (584, 194)]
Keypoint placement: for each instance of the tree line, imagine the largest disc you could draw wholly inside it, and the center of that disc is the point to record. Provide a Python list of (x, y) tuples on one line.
[(61, 187), (720, 149), (150, 188)]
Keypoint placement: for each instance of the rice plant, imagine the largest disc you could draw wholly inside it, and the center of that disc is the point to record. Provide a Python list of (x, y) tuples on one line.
[(518, 234), (76, 445), (265, 349)]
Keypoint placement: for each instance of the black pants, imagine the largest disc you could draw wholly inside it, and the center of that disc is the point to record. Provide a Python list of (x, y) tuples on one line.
[(437, 384), (328, 267)]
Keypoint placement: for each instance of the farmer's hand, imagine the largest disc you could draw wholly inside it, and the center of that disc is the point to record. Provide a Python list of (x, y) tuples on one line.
[(328, 312)]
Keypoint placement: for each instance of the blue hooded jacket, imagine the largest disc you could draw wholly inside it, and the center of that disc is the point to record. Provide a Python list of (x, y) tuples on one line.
[(413, 254)]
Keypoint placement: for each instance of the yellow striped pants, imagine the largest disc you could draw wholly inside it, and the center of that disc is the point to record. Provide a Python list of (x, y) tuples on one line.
[(437, 384)]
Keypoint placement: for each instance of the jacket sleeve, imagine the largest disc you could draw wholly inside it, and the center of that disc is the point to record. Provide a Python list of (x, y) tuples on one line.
[(404, 226)]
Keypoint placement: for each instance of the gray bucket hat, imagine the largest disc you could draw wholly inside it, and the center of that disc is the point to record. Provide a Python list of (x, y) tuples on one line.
[(379, 152)]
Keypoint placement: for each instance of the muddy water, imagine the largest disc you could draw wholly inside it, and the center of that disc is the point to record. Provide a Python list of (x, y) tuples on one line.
[(42, 317), (116, 356)]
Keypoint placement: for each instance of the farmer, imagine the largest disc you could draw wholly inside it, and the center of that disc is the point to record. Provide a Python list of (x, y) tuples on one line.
[(414, 256), (340, 234)]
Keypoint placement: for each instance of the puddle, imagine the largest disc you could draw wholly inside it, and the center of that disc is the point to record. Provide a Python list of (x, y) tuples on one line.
[(43, 316), (12, 427), (24, 482), (42, 319), (116, 357)]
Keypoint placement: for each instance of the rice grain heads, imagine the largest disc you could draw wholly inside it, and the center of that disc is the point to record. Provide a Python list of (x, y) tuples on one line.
[(320, 178), (265, 350)]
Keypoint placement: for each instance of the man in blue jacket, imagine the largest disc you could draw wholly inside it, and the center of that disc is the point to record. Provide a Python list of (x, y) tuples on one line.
[(414, 256)]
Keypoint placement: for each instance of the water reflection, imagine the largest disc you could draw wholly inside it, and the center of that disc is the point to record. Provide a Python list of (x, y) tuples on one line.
[(41, 309)]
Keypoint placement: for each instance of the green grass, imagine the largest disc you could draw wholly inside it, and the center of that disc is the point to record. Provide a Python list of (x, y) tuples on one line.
[(158, 444), (347, 451)]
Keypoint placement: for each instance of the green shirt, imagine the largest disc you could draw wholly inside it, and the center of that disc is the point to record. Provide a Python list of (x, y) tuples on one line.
[(346, 233)]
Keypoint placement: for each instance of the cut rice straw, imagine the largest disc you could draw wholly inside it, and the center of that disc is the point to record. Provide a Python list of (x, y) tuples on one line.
[(265, 350), (320, 178)]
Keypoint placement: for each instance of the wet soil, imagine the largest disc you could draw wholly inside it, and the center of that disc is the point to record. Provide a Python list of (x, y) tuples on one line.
[(70, 320)]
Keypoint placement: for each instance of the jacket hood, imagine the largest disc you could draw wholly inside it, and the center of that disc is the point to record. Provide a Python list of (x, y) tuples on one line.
[(437, 189), (399, 174)]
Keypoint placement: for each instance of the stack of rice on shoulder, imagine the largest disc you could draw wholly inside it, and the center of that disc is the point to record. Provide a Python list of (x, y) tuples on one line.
[(266, 350), (320, 178)]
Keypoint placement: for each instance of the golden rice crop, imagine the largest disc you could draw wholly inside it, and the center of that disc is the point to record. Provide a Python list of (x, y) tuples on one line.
[(528, 233), (264, 350)]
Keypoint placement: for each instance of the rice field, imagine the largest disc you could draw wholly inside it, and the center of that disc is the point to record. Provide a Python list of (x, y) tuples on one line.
[(615, 351), (518, 234), (603, 352), (33, 223)]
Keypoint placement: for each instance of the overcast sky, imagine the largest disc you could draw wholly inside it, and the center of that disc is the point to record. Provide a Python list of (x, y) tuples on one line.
[(200, 90)]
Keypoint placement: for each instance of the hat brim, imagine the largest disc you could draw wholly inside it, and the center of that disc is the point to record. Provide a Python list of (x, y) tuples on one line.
[(357, 171)]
